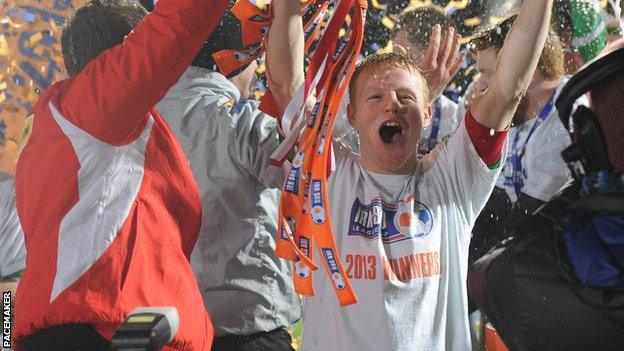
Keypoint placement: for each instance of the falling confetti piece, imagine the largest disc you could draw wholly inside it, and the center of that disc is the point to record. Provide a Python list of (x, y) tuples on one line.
[(377, 5), (27, 66), (458, 5), (4, 46), (35, 38), (261, 69), (472, 22), (387, 22)]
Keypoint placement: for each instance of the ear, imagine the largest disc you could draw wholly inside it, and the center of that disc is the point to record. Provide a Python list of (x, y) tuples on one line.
[(427, 116), (351, 114)]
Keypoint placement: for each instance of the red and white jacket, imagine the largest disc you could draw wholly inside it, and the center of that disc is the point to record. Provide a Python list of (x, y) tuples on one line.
[(105, 195)]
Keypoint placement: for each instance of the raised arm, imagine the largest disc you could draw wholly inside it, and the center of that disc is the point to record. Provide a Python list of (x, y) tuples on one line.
[(516, 64), (284, 55), (111, 96)]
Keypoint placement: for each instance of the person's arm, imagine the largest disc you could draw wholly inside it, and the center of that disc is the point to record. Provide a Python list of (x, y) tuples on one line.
[(111, 96), (516, 64), (284, 55)]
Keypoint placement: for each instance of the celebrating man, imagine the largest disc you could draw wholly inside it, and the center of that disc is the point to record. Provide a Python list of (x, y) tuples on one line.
[(402, 224)]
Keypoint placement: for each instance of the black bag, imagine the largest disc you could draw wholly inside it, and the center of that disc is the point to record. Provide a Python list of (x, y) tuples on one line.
[(530, 294)]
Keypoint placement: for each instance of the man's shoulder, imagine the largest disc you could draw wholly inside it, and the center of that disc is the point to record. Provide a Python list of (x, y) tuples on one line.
[(205, 84)]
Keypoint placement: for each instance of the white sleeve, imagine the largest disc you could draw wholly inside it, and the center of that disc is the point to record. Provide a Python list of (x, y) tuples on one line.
[(254, 137), (547, 173), (466, 179), (12, 249)]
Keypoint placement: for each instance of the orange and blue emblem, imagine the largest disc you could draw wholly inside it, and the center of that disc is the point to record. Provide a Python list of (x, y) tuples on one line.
[(294, 175), (318, 210), (393, 223), (330, 259)]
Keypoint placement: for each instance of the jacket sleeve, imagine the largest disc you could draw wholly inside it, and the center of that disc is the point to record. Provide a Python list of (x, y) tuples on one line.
[(254, 139), (111, 96)]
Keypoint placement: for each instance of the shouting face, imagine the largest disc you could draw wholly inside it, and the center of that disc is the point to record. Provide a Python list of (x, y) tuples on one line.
[(389, 111)]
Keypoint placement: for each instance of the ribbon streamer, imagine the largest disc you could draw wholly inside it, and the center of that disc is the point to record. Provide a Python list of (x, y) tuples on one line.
[(305, 220)]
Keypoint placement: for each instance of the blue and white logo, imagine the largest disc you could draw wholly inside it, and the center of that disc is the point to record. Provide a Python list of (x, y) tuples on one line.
[(405, 220), (306, 193), (292, 182), (318, 211), (330, 259), (342, 44), (314, 114), (301, 268)]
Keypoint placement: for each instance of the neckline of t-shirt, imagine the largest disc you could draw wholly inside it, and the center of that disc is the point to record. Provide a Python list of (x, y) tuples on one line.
[(390, 179)]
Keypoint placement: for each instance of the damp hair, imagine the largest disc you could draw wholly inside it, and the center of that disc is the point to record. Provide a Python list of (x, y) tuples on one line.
[(419, 23), (96, 27), (385, 61), (551, 61)]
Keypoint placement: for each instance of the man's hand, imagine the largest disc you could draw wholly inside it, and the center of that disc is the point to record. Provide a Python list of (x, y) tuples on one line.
[(442, 60)]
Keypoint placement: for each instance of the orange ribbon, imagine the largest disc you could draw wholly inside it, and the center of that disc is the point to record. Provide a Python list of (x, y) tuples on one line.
[(304, 216), (305, 219)]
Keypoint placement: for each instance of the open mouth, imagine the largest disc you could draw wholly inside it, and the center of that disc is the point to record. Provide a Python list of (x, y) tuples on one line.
[(390, 132)]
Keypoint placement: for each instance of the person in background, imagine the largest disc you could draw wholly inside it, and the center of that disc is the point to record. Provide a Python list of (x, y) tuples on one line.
[(107, 202), (583, 31), (247, 290), (533, 170), (411, 37), (559, 283)]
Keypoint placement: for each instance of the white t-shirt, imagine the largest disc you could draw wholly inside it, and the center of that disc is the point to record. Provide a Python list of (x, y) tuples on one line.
[(545, 171), (404, 243), (444, 122)]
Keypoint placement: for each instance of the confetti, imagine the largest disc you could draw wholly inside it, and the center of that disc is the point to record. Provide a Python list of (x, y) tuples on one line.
[(30, 60), (29, 67), (473, 22), (387, 22)]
